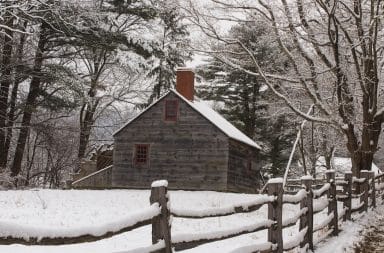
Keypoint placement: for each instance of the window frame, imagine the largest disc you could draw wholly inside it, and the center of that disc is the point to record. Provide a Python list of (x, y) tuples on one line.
[(143, 161), (175, 107)]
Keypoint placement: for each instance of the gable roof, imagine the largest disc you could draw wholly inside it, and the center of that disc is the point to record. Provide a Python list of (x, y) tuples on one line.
[(211, 115)]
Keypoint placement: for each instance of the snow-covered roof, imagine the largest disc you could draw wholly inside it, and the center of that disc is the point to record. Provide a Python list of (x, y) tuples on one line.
[(214, 117), (340, 165)]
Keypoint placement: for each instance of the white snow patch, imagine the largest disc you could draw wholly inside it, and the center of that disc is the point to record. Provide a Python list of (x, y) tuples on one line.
[(78, 208), (263, 88), (324, 223), (219, 121), (357, 206), (320, 204), (319, 192), (253, 248), (221, 73), (344, 127), (358, 180), (295, 240), (300, 195), (351, 233), (341, 165), (259, 199), (27, 231), (160, 183), (277, 180), (187, 237), (296, 217), (307, 177), (151, 248)]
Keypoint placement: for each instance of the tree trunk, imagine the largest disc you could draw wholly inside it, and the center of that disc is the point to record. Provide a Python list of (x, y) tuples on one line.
[(30, 104), (19, 77), (159, 84), (302, 152), (87, 113), (31, 160), (86, 124), (371, 125), (4, 88)]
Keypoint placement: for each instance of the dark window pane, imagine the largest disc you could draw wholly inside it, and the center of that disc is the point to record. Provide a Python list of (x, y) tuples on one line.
[(171, 109), (141, 154)]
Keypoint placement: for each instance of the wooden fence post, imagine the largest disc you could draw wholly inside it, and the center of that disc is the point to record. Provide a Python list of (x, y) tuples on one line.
[(161, 227), (348, 192), (365, 189), (332, 206), (275, 213), (307, 219), (373, 188)]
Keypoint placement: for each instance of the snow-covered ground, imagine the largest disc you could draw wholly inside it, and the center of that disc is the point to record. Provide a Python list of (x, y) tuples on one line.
[(44, 210), (352, 232)]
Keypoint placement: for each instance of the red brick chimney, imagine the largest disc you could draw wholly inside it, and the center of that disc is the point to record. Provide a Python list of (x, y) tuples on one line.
[(185, 83)]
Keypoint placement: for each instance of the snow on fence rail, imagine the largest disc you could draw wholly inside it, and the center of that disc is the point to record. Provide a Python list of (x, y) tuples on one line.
[(311, 202), (16, 233), (158, 214), (245, 207), (320, 192)]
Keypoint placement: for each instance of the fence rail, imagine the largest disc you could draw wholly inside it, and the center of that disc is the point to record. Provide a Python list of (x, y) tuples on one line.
[(355, 194), (312, 201), (24, 234)]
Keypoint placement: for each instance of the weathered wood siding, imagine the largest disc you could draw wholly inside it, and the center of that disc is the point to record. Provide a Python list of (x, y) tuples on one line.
[(104, 159), (101, 179), (86, 167), (190, 153), (243, 168)]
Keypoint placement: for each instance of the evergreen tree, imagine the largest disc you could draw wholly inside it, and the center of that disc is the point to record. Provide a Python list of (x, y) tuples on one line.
[(172, 43), (245, 99)]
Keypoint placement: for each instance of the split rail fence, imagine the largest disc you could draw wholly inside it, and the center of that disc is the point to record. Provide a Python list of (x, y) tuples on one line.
[(339, 196)]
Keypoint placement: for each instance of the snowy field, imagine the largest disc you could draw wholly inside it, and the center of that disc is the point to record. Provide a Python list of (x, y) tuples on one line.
[(42, 210)]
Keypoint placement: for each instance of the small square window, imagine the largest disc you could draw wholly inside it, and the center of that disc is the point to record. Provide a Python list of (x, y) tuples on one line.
[(141, 154), (171, 108)]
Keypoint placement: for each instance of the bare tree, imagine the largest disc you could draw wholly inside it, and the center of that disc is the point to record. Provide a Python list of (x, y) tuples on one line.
[(12, 34), (49, 21), (334, 48), (117, 29)]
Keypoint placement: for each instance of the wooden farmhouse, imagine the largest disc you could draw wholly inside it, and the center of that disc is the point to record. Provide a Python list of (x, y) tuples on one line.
[(183, 140)]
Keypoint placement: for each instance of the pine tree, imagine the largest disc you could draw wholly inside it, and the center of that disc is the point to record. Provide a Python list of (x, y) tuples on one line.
[(172, 48), (245, 99)]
